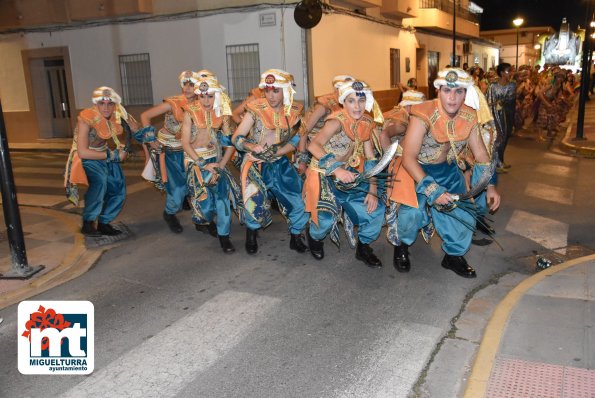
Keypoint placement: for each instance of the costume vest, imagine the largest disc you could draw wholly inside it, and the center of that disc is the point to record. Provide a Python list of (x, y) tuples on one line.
[(169, 135), (349, 141), (397, 115), (265, 117), (101, 129), (205, 119), (442, 129)]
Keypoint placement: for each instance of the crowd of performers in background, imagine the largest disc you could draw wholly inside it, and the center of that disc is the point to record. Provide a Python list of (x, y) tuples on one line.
[(531, 98), (421, 168)]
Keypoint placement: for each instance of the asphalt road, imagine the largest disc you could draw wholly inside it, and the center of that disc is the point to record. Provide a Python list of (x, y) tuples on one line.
[(174, 316)]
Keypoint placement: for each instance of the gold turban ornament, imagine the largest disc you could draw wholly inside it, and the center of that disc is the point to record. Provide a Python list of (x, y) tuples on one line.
[(280, 79), (210, 85)]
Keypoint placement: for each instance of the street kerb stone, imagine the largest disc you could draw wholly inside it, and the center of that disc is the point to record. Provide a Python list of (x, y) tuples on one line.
[(92, 242)]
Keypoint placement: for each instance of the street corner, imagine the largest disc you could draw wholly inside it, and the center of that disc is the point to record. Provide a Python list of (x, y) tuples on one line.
[(484, 368), (54, 243)]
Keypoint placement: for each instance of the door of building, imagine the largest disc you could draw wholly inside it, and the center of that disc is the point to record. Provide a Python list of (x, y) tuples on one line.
[(433, 62), (55, 76)]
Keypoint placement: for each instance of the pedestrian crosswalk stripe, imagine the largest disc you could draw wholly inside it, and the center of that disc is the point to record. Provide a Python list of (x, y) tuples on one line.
[(162, 365), (409, 345), (554, 170), (59, 171), (549, 233), (32, 199), (549, 192), (559, 158)]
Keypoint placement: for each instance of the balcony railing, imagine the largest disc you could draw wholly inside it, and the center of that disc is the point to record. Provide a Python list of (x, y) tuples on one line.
[(447, 6)]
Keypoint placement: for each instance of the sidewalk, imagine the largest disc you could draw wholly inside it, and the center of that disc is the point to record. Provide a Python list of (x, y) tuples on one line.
[(52, 239), (539, 341), (586, 146)]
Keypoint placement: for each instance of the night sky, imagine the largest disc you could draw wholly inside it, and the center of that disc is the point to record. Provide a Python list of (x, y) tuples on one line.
[(498, 14)]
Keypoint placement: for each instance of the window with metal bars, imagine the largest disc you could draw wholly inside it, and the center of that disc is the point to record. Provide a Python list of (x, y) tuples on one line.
[(243, 69), (135, 73)]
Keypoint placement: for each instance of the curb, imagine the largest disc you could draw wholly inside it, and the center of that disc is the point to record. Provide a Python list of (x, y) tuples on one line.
[(568, 145), (76, 262), (490, 343)]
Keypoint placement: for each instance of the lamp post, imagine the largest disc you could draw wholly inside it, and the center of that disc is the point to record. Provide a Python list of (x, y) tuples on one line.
[(517, 22)]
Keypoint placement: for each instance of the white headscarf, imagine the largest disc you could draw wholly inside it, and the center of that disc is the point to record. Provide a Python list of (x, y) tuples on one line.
[(457, 77), (188, 76), (105, 93), (340, 79), (210, 85), (280, 79), (412, 97), (360, 89)]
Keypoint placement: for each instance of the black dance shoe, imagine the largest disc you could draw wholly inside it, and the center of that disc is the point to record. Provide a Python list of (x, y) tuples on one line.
[(88, 229), (106, 229), (226, 244), (297, 243), (251, 243), (173, 223), (401, 258), (459, 265), (365, 253)]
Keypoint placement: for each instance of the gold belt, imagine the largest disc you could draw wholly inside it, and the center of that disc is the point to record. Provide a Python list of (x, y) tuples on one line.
[(206, 153)]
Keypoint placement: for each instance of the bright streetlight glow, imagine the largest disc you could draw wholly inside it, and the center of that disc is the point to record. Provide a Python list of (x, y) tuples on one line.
[(518, 22)]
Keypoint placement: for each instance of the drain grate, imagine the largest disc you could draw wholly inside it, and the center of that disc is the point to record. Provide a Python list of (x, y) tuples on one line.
[(556, 256), (513, 378), (94, 242)]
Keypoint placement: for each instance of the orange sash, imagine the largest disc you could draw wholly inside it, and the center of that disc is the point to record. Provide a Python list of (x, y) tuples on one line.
[(311, 193)]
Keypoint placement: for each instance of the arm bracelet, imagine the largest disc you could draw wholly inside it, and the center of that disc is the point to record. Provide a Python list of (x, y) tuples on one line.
[(239, 143)]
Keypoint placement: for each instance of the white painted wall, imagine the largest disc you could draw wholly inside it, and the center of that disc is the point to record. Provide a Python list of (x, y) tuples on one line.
[(173, 46), (443, 45), (343, 44), (13, 89)]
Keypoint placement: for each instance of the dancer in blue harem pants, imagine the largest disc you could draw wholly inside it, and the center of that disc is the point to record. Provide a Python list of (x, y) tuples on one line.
[(175, 187), (352, 201), (282, 182), (107, 190), (455, 235), (216, 204)]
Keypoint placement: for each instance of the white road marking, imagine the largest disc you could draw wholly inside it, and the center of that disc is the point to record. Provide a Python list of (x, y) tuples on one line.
[(549, 233), (409, 345), (163, 365), (549, 192), (559, 158), (554, 170), (33, 199)]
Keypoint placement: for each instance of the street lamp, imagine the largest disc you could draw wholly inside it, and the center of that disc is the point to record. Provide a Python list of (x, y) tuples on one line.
[(517, 22)]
